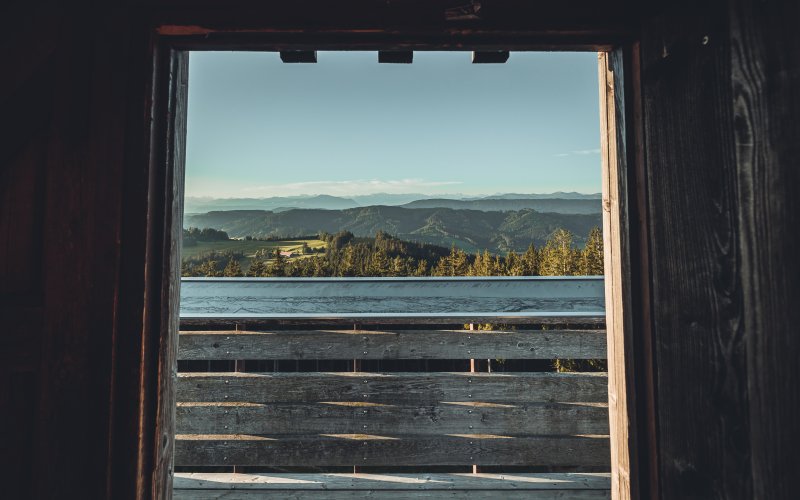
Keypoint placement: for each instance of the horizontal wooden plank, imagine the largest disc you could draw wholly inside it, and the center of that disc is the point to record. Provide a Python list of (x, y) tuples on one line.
[(348, 320), (393, 388), (393, 344), (525, 419), (393, 481), (412, 297), (390, 495), (395, 450), (195, 486)]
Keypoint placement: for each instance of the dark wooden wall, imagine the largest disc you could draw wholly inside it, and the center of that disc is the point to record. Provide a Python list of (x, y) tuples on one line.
[(720, 106)]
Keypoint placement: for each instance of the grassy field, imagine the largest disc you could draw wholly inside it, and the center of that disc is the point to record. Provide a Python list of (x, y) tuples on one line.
[(249, 248)]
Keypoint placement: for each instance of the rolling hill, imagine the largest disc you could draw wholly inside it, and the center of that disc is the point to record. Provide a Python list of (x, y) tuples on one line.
[(471, 230)]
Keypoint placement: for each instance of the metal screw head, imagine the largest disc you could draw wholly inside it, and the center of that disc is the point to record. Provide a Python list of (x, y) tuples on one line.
[(469, 411), (470, 427), (226, 397), (227, 382), (468, 395), (366, 381), (365, 352), (365, 427)]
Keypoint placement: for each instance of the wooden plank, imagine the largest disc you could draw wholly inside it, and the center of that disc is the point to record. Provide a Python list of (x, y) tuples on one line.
[(394, 450), (348, 320), (393, 482), (765, 51), (393, 344), (617, 264), (352, 418), (194, 486), (696, 268), (579, 25), (392, 388), (390, 495)]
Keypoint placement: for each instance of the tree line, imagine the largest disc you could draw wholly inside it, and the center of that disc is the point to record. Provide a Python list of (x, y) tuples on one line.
[(385, 255)]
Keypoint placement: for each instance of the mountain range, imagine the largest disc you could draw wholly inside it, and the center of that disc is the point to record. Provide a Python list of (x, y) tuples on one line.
[(469, 229), (558, 202)]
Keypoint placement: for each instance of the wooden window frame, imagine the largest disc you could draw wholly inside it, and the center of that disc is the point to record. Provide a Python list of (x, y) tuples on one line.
[(631, 385)]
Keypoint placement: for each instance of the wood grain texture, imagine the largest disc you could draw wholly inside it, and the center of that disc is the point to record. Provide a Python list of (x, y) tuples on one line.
[(304, 418), (392, 388), (386, 321), (389, 450), (577, 25), (702, 401), (384, 495), (393, 344), (193, 486), (765, 52), (394, 482), (617, 165)]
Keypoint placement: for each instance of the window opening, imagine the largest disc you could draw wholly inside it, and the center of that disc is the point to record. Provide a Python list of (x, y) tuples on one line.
[(392, 265)]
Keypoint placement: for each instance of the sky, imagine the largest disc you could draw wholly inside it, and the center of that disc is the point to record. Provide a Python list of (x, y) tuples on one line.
[(349, 126)]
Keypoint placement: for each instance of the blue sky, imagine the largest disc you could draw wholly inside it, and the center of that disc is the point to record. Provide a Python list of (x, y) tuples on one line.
[(349, 126)]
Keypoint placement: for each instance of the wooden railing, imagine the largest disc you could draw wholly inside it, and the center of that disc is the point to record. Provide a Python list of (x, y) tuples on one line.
[(322, 414)]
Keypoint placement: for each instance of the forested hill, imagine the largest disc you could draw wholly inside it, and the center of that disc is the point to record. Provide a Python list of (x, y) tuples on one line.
[(470, 230), (561, 206)]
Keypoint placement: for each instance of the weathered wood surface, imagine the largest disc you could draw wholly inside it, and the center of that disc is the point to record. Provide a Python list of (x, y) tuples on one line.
[(381, 494), (384, 320), (393, 481), (765, 53), (525, 296), (408, 24), (392, 388), (389, 450), (620, 230), (353, 418), (394, 344), (196, 486), (703, 422)]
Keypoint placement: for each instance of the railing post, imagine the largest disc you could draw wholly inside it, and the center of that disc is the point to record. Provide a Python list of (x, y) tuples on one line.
[(356, 369), (473, 370)]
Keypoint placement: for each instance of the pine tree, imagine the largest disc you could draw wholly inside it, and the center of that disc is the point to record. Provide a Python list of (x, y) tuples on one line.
[(559, 257), (233, 269), (591, 263), (530, 261), (277, 267), (379, 263), (514, 265), (257, 268)]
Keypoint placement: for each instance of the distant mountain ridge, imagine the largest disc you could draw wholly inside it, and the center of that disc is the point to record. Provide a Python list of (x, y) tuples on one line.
[(328, 202), (557, 205), (470, 230)]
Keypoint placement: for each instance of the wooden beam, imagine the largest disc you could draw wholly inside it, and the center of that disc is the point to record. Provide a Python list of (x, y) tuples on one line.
[(396, 450), (199, 485), (396, 56), (489, 57), (354, 418), (622, 404), (393, 344), (299, 56), (392, 388)]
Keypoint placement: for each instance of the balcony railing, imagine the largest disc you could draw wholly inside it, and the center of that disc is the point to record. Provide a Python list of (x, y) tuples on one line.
[(387, 386)]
